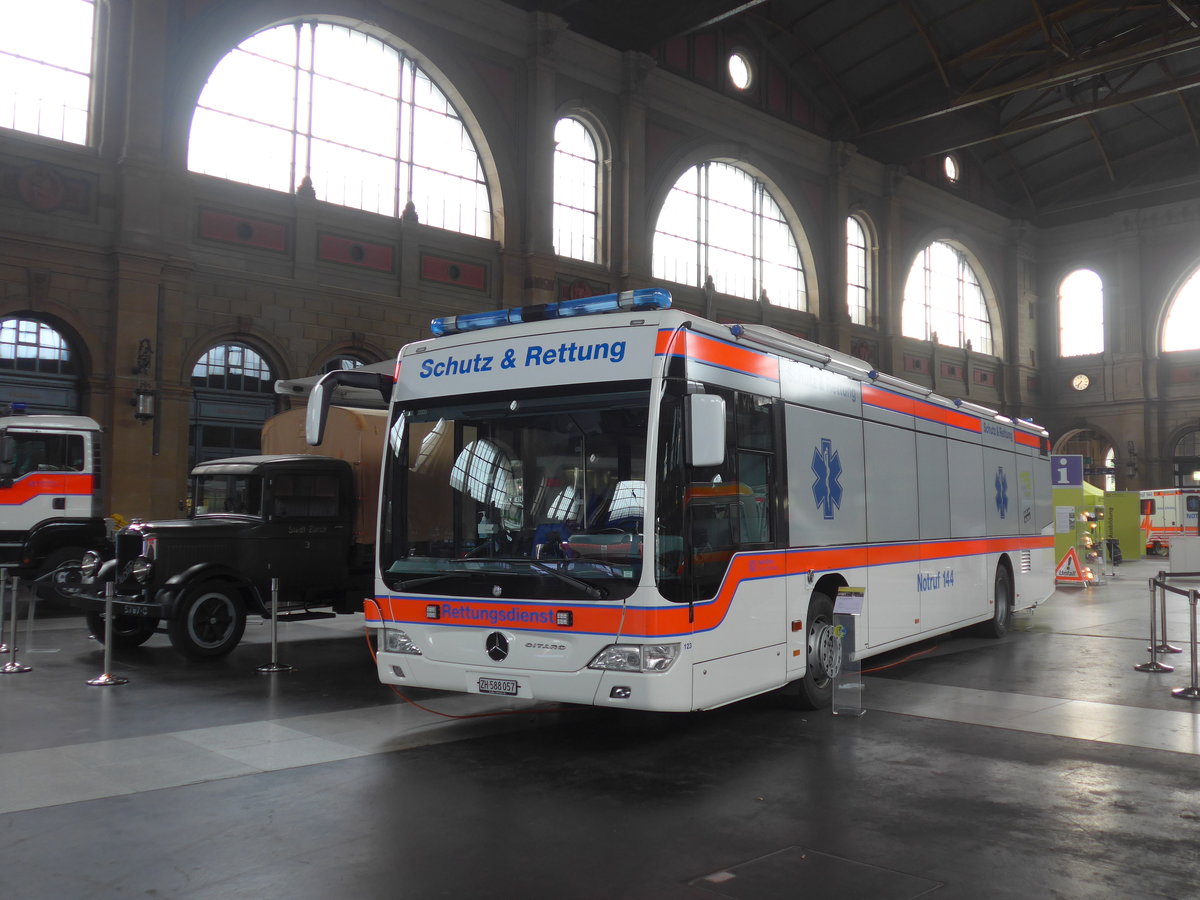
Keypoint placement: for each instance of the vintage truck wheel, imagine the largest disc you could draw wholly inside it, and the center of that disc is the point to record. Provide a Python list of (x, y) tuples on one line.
[(209, 622), (128, 631)]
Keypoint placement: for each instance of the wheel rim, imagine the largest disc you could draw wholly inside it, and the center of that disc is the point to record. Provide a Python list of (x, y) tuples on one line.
[(66, 581), (823, 657), (211, 619)]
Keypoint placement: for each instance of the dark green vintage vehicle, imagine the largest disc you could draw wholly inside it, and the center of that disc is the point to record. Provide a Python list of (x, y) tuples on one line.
[(252, 519)]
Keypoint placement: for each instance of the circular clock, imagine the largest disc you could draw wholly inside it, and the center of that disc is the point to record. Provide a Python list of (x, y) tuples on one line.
[(1080, 382)]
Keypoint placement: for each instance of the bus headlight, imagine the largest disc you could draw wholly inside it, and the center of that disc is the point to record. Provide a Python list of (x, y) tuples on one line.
[(90, 564), (140, 569), (636, 657), (397, 641)]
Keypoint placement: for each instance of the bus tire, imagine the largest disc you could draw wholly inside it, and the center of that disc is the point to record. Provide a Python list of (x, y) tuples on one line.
[(128, 631), (815, 689), (209, 621), (1002, 605)]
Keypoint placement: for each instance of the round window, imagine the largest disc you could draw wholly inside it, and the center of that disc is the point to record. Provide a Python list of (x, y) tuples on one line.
[(739, 70), (950, 165)]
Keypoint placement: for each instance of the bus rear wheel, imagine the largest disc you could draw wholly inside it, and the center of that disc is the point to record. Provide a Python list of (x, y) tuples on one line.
[(815, 689)]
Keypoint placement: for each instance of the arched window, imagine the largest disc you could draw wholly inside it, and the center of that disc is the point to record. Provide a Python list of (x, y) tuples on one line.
[(576, 185), (1185, 460), (342, 362), (234, 393), (944, 302), (1081, 314), (233, 367), (720, 221), (858, 273), (355, 116), (1181, 330), (37, 367), (46, 67)]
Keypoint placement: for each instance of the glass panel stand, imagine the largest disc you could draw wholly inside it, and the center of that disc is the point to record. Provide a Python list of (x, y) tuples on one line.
[(847, 681)]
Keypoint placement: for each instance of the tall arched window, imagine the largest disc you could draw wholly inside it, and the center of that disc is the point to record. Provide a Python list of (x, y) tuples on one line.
[(1185, 460), (355, 116), (720, 221), (576, 185), (858, 273), (234, 393), (37, 367), (1181, 330), (1081, 314), (46, 67), (943, 300)]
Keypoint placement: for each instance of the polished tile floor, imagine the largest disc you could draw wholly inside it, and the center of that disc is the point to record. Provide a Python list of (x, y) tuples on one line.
[(1040, 765)]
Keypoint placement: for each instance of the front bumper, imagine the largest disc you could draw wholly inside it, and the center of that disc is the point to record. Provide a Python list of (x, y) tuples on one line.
[(92, 599)]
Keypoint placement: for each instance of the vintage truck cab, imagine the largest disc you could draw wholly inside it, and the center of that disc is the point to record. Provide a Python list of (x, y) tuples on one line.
[(252, 519)]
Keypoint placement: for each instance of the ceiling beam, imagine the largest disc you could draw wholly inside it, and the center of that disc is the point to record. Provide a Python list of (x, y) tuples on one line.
[(1146, 51), (1067, 115)]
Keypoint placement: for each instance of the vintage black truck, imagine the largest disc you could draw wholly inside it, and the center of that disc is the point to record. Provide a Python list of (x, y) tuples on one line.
[(307, 520)]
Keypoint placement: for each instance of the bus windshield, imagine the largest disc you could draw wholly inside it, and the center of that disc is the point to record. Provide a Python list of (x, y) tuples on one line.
[(533, 496)]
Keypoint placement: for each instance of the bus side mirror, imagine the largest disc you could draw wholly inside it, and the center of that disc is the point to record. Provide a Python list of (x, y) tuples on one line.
[(705, 430), (321, 396)]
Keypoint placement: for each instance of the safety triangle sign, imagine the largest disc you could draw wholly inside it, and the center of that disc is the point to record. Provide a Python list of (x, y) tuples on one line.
[(1069, 570)]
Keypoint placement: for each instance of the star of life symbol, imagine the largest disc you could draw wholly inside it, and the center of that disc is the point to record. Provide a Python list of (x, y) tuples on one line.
[(827, 488), (1001, 492)]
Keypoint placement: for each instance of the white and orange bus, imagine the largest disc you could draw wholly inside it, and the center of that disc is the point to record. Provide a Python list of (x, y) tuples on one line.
[(608, 501)]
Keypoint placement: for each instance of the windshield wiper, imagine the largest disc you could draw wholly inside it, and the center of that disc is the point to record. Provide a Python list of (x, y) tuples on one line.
[(417, 582), (590, 589)]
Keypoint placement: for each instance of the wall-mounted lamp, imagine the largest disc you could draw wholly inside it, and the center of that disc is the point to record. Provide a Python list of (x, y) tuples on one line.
[(143, 396), (143, 404), (1131, 462)]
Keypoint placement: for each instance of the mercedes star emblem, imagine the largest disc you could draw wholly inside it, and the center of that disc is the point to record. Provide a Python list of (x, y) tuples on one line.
[(497, 646)]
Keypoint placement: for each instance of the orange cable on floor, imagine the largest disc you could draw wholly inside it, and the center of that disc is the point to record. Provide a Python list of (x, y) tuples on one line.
[(911, 656)]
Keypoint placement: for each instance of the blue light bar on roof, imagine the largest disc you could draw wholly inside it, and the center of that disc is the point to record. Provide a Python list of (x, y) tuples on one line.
[(643, 298)]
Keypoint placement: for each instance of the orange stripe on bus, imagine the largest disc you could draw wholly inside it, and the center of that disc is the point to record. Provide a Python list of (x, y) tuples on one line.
[(666, 621), (717, 353), (883, 399)]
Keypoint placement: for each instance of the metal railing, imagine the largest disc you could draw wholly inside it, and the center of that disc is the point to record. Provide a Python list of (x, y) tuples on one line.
[(1158, 631)]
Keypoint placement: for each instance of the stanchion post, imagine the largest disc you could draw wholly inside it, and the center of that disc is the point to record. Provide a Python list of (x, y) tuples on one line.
[(107, 677), (1164, 646), (275, 665), (1192, 692), (1154, 665), (12, 667), (3, 600)]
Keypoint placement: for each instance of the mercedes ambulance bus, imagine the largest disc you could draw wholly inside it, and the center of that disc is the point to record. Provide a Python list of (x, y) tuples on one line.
[(609, 501)]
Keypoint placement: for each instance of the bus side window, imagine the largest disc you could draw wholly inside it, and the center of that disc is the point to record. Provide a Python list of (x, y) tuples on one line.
[(1193, 503)]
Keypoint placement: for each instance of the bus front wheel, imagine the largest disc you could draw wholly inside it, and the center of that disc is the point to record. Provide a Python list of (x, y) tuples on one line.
[(1002, 610), (816, 687)]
